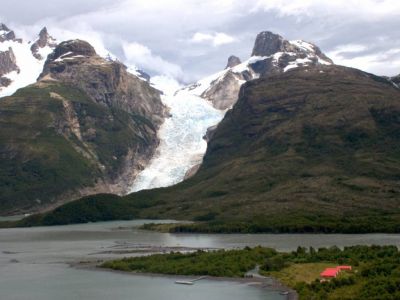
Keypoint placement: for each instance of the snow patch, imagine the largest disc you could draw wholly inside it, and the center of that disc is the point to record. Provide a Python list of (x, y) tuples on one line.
[(297, 63), (30, 67), (303, 45), (44, 52)]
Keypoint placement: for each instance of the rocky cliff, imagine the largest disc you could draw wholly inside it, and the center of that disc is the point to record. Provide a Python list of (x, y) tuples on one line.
[(8, 63), (86, 126), (233, 61)]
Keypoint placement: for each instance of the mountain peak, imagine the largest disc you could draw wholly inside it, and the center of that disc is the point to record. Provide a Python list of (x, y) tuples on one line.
[(6, 34), (43, 32), (73, 48), (233, 61), (268, 43), (45, 41), (3, 27)]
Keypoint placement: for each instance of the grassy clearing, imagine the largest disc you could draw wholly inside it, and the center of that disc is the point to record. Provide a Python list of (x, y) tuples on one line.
[(295, 273)]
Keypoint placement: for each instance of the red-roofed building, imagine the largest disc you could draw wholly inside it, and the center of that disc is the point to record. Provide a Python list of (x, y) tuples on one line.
[(333, 272), (330, 273), (344, 268)]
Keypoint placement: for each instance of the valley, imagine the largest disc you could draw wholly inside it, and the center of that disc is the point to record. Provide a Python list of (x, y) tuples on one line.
[(127, 174)]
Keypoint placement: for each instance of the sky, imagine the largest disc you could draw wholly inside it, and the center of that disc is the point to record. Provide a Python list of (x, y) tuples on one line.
[(190, 39)]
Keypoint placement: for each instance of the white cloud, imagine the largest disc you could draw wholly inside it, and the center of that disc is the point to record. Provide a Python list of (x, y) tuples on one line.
[(382, 62), (216, 39), (349, 48), (371, 9), (142, 57)]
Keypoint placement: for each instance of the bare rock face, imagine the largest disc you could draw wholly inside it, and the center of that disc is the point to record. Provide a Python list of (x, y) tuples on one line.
[(45, 40), (268, 43), (233, 61), (106, 82), (6, 34), (223, 92), (8, 64)]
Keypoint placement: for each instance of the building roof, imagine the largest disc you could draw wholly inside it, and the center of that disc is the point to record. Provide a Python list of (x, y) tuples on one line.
[(344, 267), (330, 272)]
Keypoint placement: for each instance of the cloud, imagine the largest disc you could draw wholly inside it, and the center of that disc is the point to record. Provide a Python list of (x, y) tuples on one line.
[(216, 39), (372, 9), (197, 36), (142, 57), (383, 62)]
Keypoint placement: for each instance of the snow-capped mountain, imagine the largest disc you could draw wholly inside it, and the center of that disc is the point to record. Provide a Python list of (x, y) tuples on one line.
[(271, 54), (21, 61)]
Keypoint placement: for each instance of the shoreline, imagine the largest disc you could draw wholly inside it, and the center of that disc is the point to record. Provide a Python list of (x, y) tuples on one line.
[(266, 283)]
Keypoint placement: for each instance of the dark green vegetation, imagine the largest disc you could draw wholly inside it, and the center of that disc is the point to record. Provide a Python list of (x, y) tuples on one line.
[(310, 150), (375, 275), (219, 263), (55, 141)]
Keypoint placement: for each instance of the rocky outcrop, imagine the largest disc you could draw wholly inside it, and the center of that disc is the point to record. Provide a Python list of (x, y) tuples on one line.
[(268, 43), (106, 82), (223, 91), (8, 64), (45, 40), (6, 34), (233, 61)]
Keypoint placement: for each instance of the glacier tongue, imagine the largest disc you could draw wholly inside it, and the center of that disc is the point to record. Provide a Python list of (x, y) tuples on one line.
[(181, 137)]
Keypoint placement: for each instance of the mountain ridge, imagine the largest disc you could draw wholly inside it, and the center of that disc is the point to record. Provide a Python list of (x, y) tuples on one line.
[(310, 150)]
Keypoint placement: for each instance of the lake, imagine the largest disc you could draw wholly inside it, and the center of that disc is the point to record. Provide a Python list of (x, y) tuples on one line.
[(34, 262)]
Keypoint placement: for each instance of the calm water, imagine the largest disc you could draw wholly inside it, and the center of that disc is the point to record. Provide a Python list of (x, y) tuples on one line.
[(34, 261)]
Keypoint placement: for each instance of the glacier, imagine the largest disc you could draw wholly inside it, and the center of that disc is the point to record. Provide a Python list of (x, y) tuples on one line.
[(181, 136)]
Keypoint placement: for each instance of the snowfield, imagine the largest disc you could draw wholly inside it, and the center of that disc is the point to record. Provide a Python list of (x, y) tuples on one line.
[(30, 67)]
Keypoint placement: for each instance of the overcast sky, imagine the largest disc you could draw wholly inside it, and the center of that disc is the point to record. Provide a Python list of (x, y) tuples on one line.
[(189, 39)]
